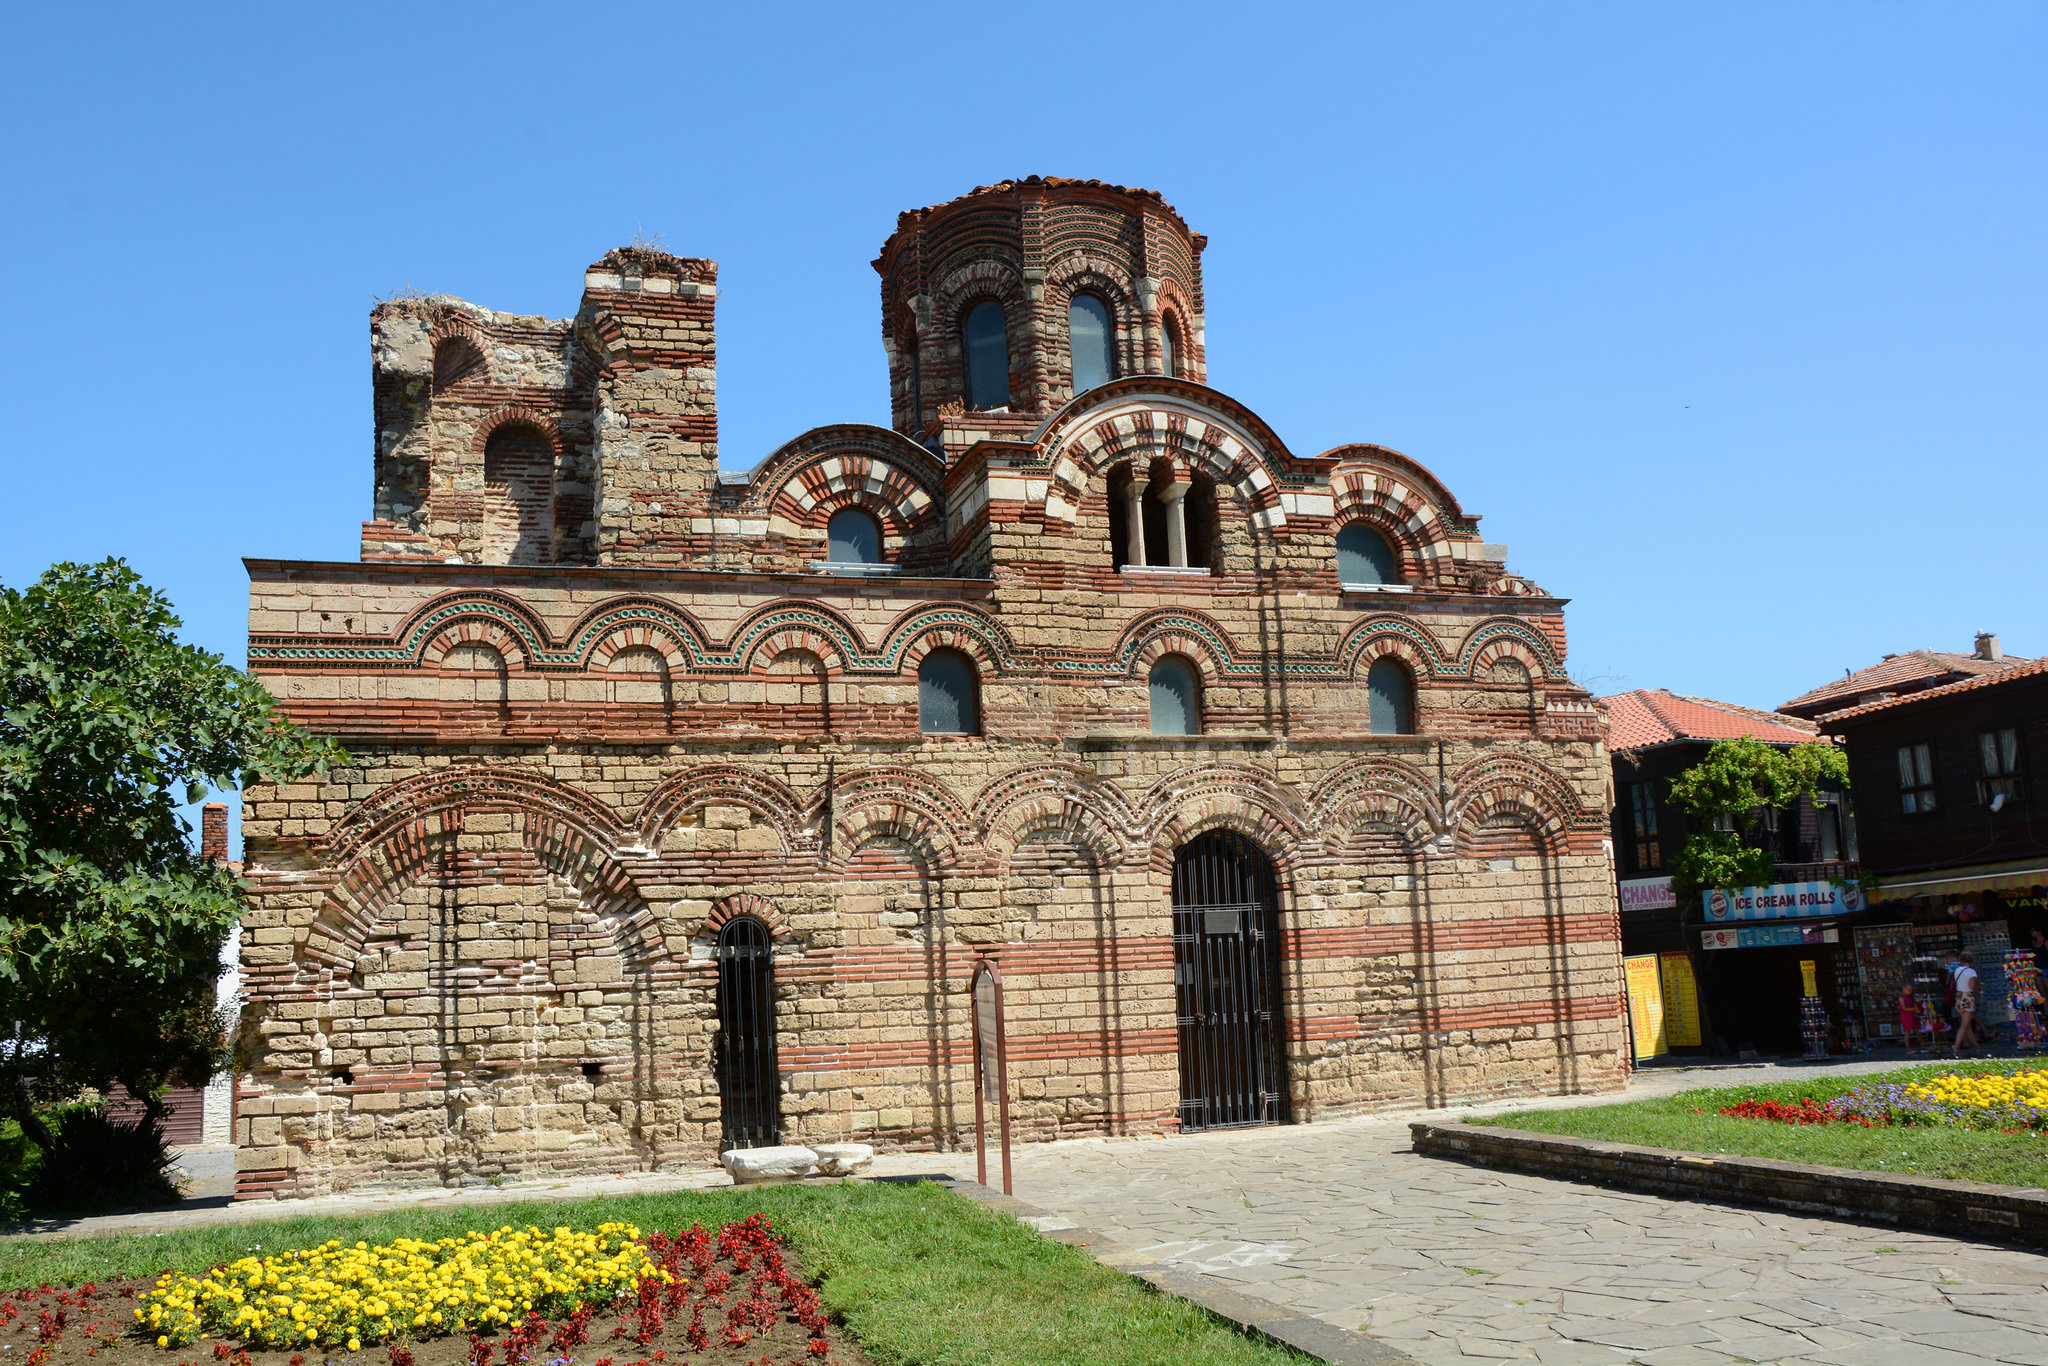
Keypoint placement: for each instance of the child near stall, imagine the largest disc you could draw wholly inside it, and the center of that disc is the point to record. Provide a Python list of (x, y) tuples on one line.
[(1909, 1024)]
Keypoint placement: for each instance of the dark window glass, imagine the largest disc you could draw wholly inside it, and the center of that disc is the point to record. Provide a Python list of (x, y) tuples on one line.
[(2000, 750), (1392, 695), (946, 702), (1176, 698), (1363, 556), (1649, 850), (987, 340), (853, 537), (1830, 830), (1168, 347), (1088, 339), (1916, 779)]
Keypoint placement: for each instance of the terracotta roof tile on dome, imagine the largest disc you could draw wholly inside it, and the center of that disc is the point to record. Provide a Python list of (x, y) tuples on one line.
[(1048, 181), (1653, 716), (1897, 671), (2016, 670)]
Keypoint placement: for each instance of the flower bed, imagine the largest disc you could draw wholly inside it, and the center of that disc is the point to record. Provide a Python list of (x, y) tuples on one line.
[(2011, 1102), (609, 1297)]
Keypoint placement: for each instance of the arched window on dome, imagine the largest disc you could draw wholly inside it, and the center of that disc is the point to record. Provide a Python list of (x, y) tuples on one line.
[(1390, 692), (985, 339), (948, 700), (1365, 557), (853, 537), (1088, 338), (1169, 346), (1176, 697)]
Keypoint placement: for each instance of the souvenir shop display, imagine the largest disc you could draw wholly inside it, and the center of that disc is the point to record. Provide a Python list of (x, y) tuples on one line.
[(1813, 1026), (1848, 1000), (2023, 997), (1930, 990), (1884, 968), (1987, 943)]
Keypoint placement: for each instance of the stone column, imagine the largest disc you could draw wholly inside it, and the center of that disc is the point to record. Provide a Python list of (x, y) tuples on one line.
[(1134, 521), (1174, 494)]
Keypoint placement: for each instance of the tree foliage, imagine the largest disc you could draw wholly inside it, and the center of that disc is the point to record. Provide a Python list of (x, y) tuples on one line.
[(111, 924), (1735, 779)]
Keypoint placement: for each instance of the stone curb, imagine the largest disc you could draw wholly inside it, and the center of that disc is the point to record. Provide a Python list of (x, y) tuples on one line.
[(1323, 1341), (1961, 1209)]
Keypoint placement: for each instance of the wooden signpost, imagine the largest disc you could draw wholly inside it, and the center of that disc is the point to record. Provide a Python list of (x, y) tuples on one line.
[(991, 1068)]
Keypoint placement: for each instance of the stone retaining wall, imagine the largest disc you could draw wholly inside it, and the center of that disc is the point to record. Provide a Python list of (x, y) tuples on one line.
[(1964, 1209)]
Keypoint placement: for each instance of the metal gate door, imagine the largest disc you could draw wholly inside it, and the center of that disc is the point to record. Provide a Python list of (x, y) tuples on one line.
[(748, 1092), (1226, 972)]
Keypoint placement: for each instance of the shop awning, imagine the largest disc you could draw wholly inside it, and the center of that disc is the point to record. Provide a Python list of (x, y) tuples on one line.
[(1955, 881)]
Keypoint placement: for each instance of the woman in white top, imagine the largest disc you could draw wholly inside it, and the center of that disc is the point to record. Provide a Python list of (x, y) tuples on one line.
[(1966, 1006)]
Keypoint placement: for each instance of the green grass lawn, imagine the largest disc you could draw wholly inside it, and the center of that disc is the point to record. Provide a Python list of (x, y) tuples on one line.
[(1690, 1121), (918, 1274)]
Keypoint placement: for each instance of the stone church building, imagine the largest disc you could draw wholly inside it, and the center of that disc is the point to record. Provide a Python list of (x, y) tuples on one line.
[(683, 804)]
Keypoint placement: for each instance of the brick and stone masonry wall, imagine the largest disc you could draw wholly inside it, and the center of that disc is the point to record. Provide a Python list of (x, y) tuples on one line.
[(485, 948)]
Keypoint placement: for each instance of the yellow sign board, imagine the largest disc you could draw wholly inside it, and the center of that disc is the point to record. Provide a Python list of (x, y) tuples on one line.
[(1806, 974), (1681, 1002), (1646, 1005)]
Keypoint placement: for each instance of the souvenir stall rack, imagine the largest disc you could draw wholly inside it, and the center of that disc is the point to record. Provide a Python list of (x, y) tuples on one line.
[(1884, 968), (1988, 944), (2023, 997), (1848, 1001)]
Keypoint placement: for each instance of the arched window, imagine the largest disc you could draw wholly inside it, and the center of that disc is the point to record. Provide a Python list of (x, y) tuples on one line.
[(853, 537), (1088, 338), (946, 695), (1176, 697), (1363, 556), (1392, 697), (986, 339), (1169, 346), (749, 1082)]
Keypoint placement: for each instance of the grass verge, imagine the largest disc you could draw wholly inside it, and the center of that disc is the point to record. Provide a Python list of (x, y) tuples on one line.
[(920, 1276), (1691, 1121)]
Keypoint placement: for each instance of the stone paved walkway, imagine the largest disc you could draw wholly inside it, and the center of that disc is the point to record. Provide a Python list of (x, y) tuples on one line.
[(1457, 1264)]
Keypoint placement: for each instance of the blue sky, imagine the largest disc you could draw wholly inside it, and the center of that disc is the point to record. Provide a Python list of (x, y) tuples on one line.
[(1729, 319)]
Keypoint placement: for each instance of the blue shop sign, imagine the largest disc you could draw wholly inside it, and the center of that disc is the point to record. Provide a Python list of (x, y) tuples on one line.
[(1781, 901)]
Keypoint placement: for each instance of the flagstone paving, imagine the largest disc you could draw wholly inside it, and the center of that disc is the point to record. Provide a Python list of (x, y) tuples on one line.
[(1457, 1264)]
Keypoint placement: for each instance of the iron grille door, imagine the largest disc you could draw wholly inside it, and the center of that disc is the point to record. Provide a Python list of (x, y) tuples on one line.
[(1226, 972), (748, 1091)]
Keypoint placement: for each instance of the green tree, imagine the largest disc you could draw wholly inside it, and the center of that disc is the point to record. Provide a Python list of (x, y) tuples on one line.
[(1734, 780), (111, 925)]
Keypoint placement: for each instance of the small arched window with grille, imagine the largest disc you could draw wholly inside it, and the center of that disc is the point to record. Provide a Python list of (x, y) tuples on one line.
[(948, 701), (985, 340), (1365, 557), (1176, 697), (1390, 693), (853, 537), (1169, 347), (1088, 338)]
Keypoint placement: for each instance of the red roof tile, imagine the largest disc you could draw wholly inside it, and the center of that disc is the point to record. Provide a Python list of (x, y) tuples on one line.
[(1652, 716), (1911, 671), (2029, 668)]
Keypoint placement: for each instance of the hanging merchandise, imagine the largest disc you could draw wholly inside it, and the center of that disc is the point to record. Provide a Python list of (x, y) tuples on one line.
[(1930, 989), (1987, 943), (1813, 1026), (2023, 996), (1884, 968), (1848, 1000)]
